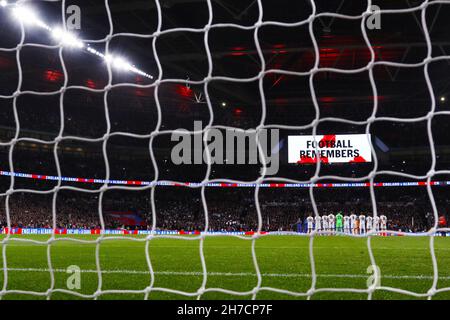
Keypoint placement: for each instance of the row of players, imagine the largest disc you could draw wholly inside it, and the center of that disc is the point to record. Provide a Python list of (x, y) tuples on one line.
[(352, 224)]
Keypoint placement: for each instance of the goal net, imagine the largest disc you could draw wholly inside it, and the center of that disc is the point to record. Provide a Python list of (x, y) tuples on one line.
[(157, 72)]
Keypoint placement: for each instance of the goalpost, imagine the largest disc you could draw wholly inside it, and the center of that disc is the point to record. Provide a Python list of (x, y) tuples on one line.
[(64, 39)]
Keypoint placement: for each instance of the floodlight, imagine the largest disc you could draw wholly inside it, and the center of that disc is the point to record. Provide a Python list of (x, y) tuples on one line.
[(25, 15), (121, 64), (67, 38)]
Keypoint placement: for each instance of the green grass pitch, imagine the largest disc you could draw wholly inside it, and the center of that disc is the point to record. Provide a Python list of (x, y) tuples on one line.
[(340, 262)]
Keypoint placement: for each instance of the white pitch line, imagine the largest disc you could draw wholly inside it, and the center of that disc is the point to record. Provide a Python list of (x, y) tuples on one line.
[(234, 274)]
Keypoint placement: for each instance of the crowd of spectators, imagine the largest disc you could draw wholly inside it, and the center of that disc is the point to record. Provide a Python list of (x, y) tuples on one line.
[(227, 209)]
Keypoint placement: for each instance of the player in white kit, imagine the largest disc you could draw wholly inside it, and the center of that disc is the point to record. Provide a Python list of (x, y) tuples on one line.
[(383, 222), (318, 223), (369, 225), (310, 223), (346, 224), (331, 222), (376, 223), (353, 223), (362, 224), (325, 225)]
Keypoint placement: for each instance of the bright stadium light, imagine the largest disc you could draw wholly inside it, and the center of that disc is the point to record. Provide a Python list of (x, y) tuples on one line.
[(443, 99), (67, 38), (121, 64), (25, 15), (57, 33), (108, 58), (29, 17)]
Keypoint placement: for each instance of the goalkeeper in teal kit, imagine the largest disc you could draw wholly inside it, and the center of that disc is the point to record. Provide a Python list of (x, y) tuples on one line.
[(339, 222)]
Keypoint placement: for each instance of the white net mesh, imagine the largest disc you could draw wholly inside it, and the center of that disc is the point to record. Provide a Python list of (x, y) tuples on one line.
[(158, 81)]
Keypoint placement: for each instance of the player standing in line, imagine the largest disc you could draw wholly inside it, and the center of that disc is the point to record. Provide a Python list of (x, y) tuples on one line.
[(346, 224), (325, 225), (318, 224), (310, 222), (339, 219), (362, 224), (353, 223), (356, 225), (376, 223), (369, 223), (331, 222), (383, 222)]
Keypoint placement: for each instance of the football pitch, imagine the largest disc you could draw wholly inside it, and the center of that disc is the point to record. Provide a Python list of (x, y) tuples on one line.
[(284, 262)]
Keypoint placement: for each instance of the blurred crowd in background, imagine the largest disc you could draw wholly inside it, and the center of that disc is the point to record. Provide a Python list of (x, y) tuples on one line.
[(231, 209)]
